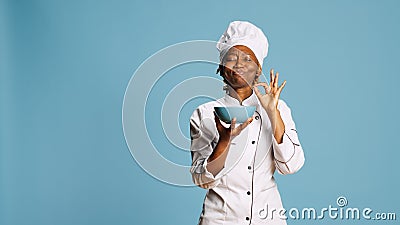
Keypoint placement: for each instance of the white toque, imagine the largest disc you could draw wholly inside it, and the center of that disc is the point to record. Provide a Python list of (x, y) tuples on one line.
[(247, 34)]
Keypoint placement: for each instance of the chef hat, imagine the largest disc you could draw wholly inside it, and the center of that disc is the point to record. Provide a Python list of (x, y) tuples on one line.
[(247, 34)]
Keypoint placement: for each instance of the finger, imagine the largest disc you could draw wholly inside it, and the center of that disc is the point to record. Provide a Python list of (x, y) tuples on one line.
[(278, 92), (263, 84), (233, 123), (271, 76), (217, 121), (244, 125), (267, 88), (276, 80), (282, 86)]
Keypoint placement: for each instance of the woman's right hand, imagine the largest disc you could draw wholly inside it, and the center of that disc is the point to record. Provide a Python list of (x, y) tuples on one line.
[(216, 161), (226, 134)]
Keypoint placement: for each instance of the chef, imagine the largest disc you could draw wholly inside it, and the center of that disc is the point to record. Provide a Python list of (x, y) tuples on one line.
[(236, 162)]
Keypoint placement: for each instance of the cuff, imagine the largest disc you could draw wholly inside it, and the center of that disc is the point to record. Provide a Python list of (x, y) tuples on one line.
[(202, 177), (284, 151)]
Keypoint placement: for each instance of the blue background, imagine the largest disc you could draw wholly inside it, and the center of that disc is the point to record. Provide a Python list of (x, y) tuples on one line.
[(65, 66)]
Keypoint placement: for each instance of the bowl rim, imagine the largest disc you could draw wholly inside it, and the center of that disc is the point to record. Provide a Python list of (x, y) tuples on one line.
[(242, 106)]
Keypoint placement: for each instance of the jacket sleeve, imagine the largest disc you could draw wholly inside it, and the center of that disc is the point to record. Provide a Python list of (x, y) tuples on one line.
[(288, 155), (204, 138)]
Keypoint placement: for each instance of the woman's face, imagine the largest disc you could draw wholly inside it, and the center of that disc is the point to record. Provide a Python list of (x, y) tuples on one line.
[(241, 69)]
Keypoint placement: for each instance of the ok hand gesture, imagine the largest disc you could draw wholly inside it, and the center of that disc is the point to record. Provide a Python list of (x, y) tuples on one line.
[(269, 100)]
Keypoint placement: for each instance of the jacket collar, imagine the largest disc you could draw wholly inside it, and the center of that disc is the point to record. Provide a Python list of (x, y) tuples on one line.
[(251, 100)]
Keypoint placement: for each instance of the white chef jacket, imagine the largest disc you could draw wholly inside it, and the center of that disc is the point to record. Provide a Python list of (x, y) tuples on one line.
[(246, 183)]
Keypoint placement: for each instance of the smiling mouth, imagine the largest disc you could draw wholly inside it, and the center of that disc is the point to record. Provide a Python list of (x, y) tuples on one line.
[(237, 73)]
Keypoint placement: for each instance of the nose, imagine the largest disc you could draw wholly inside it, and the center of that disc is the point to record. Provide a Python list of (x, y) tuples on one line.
[(238, 63)]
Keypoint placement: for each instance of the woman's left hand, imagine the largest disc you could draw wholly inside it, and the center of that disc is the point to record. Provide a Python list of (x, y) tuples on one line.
[(269, 100)]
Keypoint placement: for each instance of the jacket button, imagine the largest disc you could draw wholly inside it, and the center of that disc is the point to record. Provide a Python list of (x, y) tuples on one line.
[(249, 167), (247, 218), (248, 193), (253, 142), (257, 118)]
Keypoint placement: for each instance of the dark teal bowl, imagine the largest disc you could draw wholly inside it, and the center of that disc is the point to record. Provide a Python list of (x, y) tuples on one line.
[(242, 113)]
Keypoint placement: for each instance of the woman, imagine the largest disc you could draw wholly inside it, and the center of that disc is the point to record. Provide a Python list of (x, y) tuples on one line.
[(236, 163)]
